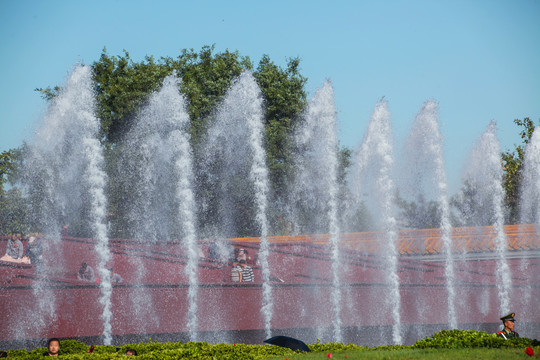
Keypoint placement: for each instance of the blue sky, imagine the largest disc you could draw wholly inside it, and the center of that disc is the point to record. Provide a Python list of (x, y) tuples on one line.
[(479, 59)]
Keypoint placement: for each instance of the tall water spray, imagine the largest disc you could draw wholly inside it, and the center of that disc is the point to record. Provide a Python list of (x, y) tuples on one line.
[(530, 185), (373, 168), (530, 208), (425, 149), (317, 166), (485, 174), (67, 153), (160, 141), (139, 165), (42, 181), (235, 157)]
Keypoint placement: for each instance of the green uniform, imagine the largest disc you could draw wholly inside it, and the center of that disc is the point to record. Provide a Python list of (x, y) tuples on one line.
[(505, 334)]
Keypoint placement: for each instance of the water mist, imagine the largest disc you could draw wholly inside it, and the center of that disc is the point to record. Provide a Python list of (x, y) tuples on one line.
[(530, 208), (316, 184), (530, 186), (66, 177), (235, 165), (425, 150), (160, 164), (485, 174), (373, 175)]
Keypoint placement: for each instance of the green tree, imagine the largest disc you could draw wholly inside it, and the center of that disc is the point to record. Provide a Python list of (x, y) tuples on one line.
[(419, 214), (471, 207), (8, 165), (354, 215), (512, 163), (13, 206), (123, 85), (285, 99), (13, 212)]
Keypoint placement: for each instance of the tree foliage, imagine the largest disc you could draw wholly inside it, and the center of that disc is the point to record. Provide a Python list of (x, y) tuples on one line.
[(124, 85), (472, 208), (419, 214), (285, 99), (513, 164), (8, 165), (13, 205)]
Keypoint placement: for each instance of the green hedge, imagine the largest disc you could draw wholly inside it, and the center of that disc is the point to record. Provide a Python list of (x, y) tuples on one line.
[(457, 339), (446, 339), (72, 349)]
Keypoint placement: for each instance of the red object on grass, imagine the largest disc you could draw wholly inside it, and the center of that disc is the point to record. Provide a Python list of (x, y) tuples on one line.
[(91, 349), (329, 355), (529, 351)]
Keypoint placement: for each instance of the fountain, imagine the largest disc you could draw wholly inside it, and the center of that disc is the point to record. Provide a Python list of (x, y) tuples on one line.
[(317, 147), (485, 173), (66, 164), (158, 151), (374, 166), (530, 209), (530, 188), (425, 153), (346, 269), (233, 153)]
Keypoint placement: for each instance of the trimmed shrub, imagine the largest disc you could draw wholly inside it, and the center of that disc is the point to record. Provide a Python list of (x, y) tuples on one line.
[(446, 339), (457, 339)]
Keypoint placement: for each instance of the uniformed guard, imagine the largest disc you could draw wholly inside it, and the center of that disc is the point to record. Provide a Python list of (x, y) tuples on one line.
[(508, 331)]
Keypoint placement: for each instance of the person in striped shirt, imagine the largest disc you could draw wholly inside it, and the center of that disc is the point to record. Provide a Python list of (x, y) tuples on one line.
[(247, 271), (241, 271)]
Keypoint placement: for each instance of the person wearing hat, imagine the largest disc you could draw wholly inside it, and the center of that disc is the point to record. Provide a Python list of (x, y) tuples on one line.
[(508, 331)]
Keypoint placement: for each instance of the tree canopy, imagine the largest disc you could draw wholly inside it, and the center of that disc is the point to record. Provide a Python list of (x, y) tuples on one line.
[(513, 165), (123, 86), (13, 205), (8, 165)]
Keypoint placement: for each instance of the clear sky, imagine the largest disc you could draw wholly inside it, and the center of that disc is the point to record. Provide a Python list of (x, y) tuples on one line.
[(479, 59)]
